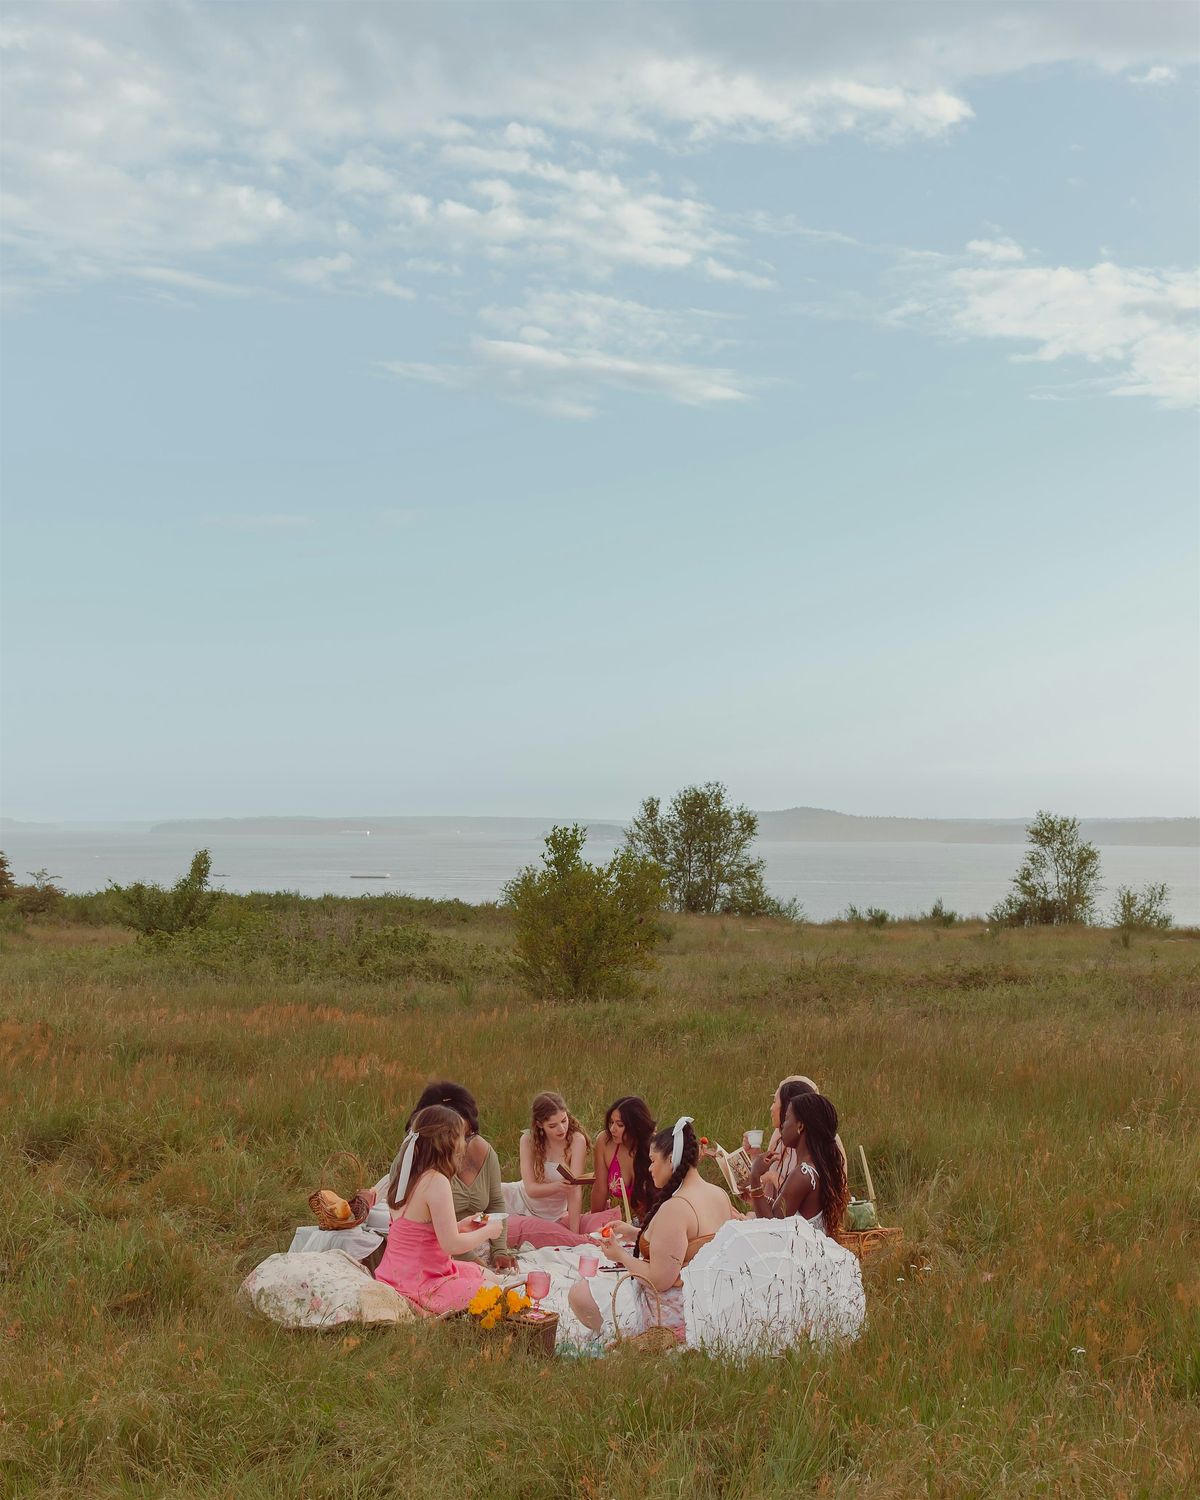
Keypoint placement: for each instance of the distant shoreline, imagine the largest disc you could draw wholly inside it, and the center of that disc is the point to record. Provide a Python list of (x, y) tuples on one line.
[(789, 825)]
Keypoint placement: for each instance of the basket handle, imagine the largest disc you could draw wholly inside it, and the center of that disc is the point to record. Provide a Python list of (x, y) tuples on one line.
[(867, 1175), (633, 1276), (339, 1156)]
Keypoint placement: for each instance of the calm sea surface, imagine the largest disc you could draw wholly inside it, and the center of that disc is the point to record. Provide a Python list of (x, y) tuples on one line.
[(473, 865)]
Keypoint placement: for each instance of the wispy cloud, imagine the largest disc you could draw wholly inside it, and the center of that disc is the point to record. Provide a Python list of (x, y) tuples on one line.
[(1140, 327), (1156, 77), (566, 349)]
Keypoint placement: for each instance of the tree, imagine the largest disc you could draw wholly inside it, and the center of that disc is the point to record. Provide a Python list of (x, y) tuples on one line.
[(189, 902), (1139, 911), (1058, 881), (582, 927), (8, 885), (702, 844)]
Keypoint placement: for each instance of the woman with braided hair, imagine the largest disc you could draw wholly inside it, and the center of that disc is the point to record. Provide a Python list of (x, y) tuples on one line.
[(815, 1188), (685, 1215)]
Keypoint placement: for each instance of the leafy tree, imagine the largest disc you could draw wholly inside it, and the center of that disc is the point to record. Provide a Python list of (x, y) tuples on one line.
[(580, 927), (1139, 911), (189, 903), (8, 885), (702, 844), (1058, 881)]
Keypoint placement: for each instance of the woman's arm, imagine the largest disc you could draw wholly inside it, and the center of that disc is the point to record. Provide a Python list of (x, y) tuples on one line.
[(439, 1200), (534, 1188), (576, 1156), (668, 1246), (495, 1200), (600, 1163)]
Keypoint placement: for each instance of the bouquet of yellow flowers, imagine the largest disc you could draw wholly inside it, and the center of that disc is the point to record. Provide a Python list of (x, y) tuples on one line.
[(492, 1304)]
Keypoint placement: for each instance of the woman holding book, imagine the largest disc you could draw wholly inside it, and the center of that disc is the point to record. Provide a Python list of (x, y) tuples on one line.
[(424, 1234), (621, 1160), (546, 1205)]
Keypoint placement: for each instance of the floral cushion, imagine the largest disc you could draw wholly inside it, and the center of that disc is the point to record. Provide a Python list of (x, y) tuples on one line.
[(321, 1289)]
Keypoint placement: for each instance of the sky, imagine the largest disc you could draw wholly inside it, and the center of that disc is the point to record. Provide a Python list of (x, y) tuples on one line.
[(529, 408)]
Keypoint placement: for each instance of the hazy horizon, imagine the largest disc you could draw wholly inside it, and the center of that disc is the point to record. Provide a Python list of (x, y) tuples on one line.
[(521, 407)]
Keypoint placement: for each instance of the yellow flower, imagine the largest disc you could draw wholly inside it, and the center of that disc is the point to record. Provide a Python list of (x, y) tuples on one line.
[(486, 1297), (490, 1321), (515, 1301)]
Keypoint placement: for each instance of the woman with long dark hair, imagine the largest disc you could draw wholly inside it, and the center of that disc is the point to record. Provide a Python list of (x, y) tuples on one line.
[(621, 1157), (815, 1187), (685, 1214)]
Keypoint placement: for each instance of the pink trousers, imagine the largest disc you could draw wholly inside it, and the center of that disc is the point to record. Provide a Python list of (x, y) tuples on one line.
[(543, 1234)]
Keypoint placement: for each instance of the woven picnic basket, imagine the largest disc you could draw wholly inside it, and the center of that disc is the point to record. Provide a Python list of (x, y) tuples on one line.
[(864, 1242), (360, 1206), (656, 1340)]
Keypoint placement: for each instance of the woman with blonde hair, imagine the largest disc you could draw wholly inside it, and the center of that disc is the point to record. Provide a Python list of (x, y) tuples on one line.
[(545, 1208), (423, 1234)]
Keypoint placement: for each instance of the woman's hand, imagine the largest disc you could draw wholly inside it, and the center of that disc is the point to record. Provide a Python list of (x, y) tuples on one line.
[(504, 1260), (495, 1228), (614, 1252), (370, 1195)]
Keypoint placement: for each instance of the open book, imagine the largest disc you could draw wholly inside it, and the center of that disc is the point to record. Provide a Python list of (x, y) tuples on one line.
[(570, 1177), (735, 1168)]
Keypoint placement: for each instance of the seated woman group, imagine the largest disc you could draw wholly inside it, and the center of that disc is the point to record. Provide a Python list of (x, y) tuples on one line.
[(446, 1176)]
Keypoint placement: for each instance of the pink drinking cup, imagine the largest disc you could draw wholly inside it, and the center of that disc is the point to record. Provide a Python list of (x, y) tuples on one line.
[(589, 1265), (537, 1284)]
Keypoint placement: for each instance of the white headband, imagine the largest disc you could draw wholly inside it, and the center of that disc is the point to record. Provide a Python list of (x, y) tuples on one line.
[(677, 1139), (405, 1157)]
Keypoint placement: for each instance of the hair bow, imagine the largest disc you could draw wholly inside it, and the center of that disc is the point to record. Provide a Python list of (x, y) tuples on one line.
[(405, 1157), (677, 1139)]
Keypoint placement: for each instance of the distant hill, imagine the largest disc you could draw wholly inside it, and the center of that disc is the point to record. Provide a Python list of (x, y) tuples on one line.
[(817, 825), (415, 827)]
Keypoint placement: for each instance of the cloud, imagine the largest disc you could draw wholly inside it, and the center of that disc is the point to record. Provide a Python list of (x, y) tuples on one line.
[(1155, 77), (187, 281), (996, 250), (1140, 326), (565, 349)]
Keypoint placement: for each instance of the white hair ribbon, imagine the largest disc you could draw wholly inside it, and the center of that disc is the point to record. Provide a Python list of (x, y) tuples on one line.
[(677, 1139), (405, 1157)]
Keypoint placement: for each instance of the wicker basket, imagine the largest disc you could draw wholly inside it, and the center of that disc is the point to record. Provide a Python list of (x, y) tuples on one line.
[(866, 1242), (537, 1335), (656, 1340), (360, 1206)]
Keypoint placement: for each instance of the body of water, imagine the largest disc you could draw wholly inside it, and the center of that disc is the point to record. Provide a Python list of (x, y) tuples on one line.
[(473, 866)]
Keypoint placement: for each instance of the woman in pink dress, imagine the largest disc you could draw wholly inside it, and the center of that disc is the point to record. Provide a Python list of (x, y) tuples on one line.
[(424, 1235)]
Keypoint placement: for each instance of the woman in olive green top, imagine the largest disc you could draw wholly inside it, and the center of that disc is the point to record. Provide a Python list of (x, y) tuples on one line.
[(476, 1188)]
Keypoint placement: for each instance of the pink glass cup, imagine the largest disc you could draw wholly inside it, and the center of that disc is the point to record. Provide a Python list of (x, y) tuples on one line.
[(589, 1265), (537, 1284)]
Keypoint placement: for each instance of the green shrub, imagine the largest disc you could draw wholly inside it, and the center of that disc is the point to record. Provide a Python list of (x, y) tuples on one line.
[(41, 898), (1139, 911), (582, 928), (1058, 880), (873, 916), (188, 904)]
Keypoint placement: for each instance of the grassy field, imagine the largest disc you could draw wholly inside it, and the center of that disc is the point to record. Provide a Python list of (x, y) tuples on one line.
[(1028, 1102)]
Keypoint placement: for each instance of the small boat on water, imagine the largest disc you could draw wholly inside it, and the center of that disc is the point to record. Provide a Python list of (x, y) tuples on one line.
[(370, 877)]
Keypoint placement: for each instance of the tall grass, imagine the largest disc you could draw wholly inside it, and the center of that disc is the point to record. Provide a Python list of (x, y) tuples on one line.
[(1027, 1101)]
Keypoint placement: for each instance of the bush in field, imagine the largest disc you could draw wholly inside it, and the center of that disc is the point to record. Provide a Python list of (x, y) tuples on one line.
[(188, 904), (873, 916), (581, 928), (1139, 911), (1058, 881), (702, 845), (939, 915), (261, 947), (41, 897), (8, 886)]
